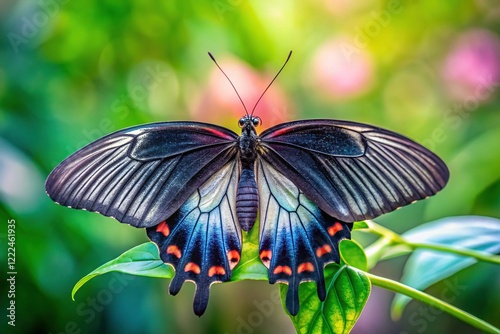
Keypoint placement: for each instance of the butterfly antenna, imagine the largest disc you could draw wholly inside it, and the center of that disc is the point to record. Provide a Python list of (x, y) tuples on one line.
[(244, 107), (265, 90)]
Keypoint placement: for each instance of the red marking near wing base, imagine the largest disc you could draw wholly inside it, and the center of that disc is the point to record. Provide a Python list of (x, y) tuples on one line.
[(191, 266), (163, 228), (325, 249), (306, 266), (216, 270), (173, 249), (233, 257), (283, 269), (218, 133), (279, 132), (332, 230), (265, 257)]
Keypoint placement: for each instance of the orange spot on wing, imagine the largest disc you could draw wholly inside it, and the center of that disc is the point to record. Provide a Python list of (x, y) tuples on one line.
[(265, 257), (173, 249), (283, 269), (191, 266), (325, 249), (287, 270), (163, 228), (233, 257), (332, 230), (216, 270), (306, 266)]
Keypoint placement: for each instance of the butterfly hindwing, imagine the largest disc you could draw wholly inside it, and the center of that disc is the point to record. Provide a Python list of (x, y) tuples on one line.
[(297, 239), (143, 174), (352, 171), (202, 240)]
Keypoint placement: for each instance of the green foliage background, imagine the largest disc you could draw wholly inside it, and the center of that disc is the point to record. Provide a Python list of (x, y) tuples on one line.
[(72, 71)]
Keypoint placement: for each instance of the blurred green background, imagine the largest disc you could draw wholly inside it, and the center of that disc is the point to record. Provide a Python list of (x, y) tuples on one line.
[(72, 71)]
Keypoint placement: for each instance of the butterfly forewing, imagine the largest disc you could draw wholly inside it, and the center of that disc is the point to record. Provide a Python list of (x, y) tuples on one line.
[(143, 174), (352, 171)]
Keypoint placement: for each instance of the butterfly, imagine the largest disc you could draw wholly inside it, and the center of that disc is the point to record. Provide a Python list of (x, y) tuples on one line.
[(197, 187)]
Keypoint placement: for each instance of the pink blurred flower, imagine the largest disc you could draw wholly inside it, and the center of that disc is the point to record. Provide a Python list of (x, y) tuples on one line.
[(219, 103), (342, 71), (471, 70)]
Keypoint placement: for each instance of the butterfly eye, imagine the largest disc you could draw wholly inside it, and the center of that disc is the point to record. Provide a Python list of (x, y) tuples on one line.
[(256, 121), (241, 122)]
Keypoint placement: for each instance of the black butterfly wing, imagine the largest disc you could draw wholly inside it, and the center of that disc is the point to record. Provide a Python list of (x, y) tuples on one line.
[(297, 239), (352, 171), (142, 175), (202, 240)]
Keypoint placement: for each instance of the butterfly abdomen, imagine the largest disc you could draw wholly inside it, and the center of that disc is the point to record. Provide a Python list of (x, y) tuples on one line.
[(247, 198)]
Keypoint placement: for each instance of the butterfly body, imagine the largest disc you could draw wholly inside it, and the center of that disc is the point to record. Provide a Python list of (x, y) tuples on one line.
[(247, 197), (196, 186)]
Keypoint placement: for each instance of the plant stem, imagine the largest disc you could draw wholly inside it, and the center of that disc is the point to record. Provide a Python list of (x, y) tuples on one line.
[(433, 301), (384, 232), (376, 251), (392, 238), (481, 256)]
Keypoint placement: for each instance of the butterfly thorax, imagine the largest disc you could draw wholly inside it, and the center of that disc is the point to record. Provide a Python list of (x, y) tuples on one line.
[(247, 143), (247, 197)]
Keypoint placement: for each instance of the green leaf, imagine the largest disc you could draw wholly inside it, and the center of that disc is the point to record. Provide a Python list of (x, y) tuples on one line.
[(352, 254), (142, 260), (347, 292), (426, 267), (250, 266), (360, 225)]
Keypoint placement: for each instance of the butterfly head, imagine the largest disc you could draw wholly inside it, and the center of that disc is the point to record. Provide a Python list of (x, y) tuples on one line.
[(248, 123)]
